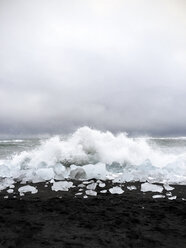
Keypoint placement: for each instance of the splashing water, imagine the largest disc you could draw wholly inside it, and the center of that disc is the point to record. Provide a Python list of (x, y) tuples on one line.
[(90, 153)]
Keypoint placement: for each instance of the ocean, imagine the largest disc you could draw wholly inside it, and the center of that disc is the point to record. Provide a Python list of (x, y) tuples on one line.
[(88, 153)]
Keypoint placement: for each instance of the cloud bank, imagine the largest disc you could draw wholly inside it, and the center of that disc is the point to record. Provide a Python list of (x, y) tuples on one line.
[(117, 65)]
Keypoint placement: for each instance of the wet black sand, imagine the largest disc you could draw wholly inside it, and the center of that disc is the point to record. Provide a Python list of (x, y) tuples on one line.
[(132, 219)]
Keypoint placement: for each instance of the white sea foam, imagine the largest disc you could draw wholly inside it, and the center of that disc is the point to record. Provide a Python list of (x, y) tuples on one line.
[(90, 153), (12, 141)]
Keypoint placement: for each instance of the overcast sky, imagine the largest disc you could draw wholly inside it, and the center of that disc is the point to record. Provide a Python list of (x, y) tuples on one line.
[(117, 65)]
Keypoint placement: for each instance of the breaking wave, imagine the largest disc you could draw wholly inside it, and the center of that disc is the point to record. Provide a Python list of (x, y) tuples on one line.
[(90, 153)]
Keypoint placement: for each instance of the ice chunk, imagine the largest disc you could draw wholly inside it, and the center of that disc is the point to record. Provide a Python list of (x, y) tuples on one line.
[(12, 186), (78, 173), (131, 187), (80, 193), (5, 183), (97, 171), (116, 190), (102, 185), (91, 192), (103, 191), (45, 173), (168, 194), (88, 182), (10, 191), (62, 185), (158, 196), (168, 187), (115, 167), (172, 198), (92, 186), (151, 187), (81, 185), (27, 188), (59, 170)]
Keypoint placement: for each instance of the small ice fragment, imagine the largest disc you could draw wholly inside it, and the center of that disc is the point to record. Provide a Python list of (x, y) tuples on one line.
[(46, 186), (103, 191), (158, 196), (85, 196), (151, 187), (6, 197), (131, 187), (10, 191), (183, 199), (172, 197), (92, 186), (102, 185), (80, 189), (80, 193), (91, 192), (88, 182), (116, 190), (81, 185), (168, 194), (168, 187), (12, 186), (62, 185), (26, 189)]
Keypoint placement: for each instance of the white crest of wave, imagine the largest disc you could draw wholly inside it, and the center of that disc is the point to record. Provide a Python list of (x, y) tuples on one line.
[(93, 150), (90, 146)]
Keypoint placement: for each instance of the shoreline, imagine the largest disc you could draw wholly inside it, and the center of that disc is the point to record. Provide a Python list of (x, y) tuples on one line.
[(44, 190), (61, 219)]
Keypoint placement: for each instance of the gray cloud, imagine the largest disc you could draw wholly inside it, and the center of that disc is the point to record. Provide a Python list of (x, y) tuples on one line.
[(117, 65)]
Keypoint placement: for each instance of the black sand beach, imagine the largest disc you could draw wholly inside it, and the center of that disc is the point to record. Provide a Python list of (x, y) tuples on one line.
[(59, 219)]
